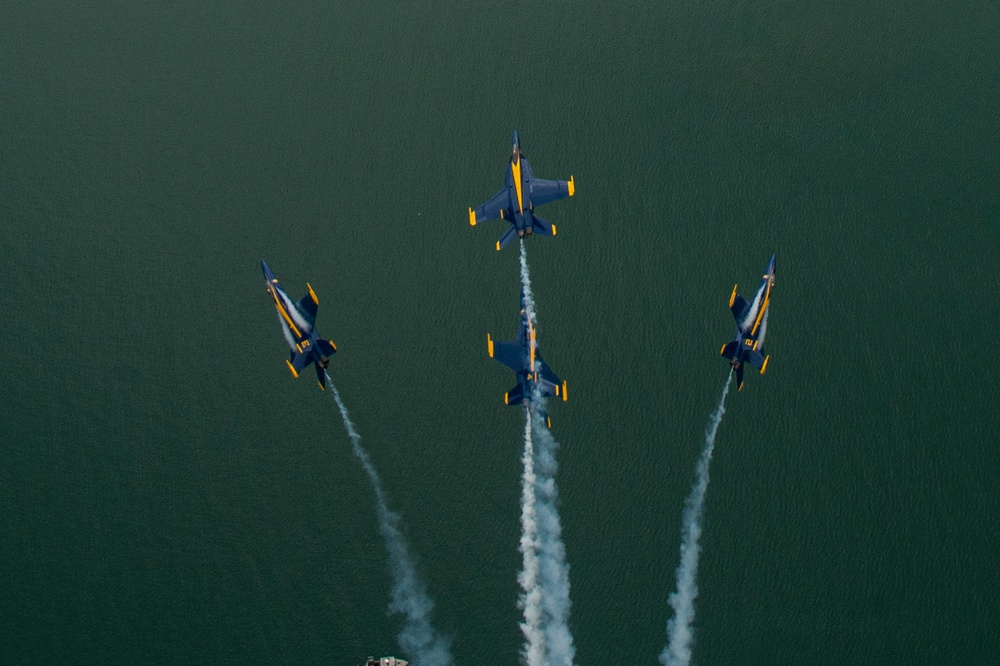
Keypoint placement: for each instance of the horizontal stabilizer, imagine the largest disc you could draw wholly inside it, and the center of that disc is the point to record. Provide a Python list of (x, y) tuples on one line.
[(299, 362), (321, 377), (542, 227), (505, 240), (755, 358), (739, 378), (515, 396), (326, 347), (729, 349)]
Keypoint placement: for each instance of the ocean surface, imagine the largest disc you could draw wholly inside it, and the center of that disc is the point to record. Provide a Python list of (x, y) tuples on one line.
[(170, 494)]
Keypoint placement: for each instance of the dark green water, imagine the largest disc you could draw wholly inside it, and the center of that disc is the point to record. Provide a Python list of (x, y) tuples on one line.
[(170, 494)]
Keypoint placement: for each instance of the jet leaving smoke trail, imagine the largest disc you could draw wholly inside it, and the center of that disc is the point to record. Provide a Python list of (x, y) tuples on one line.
[(678, 650), (423, 645), (549, 553), (531, 597)]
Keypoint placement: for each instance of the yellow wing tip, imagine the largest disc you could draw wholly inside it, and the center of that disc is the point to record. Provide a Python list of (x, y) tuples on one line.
[(489, 344), (732, 297), (472, 218), (565, 394), (505, 397), (571, 185), (553, 230), (320, 384), (764, 366), (292, 368), (312, 294), (498, 246)]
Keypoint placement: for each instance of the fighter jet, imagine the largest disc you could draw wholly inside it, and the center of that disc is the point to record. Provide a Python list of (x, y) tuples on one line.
[(747, 346), (298, 323), (522, 356), (517, 200)]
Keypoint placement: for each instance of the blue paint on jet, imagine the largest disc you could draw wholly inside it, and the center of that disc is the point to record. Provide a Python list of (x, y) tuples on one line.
[(517, 200), (522, 356), (298, 321), (747, 346)]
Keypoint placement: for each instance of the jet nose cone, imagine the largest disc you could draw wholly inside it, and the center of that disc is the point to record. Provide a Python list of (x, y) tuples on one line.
[(771, 264), (266, 270), (513, 139)]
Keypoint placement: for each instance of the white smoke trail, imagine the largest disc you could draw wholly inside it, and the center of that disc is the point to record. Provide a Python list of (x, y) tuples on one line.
[(752, 312), (763, 328), (552, 578), (529, 299), (286, 331), (678, 650), (293, 310), (423, 645), (530, 599), (552, 553)]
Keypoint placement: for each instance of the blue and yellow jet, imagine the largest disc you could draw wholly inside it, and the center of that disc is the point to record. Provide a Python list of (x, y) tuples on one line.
[(751, 325), (517, 200), (298, 323), (522, 356)]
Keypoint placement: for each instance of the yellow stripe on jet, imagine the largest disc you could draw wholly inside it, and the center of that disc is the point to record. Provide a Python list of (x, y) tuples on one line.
[(571, 186), (472, 218), (515, 169), (532, 344), (763, 309), (292, 368), (489, 344), (284, 313)]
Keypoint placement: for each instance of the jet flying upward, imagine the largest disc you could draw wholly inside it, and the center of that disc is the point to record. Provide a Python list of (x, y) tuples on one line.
[(298, 323), (517, 200), (747, 346), (522, 356)]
